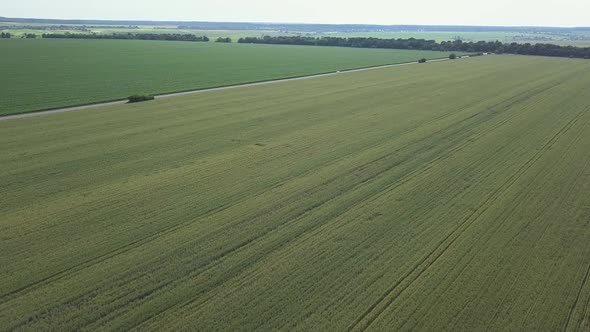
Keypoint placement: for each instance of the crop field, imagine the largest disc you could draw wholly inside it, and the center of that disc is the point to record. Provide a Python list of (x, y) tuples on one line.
[(449, 196), (576, 38), (213, 34), (580, 39), (44, 74)]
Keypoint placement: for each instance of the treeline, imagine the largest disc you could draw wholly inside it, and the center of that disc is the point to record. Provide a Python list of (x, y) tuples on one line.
[(430, 45), (130, 36), (9, 35), (82, 28)]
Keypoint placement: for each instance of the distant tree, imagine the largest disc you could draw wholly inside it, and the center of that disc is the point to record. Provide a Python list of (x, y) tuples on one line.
[(5, 35), (423, 60), (129, 36), (29, 36), (473, 48), (452, 56), (223, 40)]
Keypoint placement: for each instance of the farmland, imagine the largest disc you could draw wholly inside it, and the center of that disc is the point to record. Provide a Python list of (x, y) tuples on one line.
[(44, 74), (445, 196), (574, 38), (581, 39)]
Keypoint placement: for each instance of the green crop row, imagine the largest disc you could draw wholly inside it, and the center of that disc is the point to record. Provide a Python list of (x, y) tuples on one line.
[(46, 74)]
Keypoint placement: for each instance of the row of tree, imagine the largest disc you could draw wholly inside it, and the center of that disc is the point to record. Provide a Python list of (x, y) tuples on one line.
[(431, 45), (9, 35), (223, 40), (129, 36)]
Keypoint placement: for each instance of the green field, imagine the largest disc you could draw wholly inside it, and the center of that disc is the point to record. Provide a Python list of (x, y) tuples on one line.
[(213, 34), (575, 39), (44, 74), (446, 196)]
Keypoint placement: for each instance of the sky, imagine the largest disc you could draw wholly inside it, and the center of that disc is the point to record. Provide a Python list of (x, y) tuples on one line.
[(389, 12)]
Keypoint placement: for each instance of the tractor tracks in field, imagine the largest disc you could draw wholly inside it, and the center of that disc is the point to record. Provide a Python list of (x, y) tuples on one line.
[(580, 290), (456, 128), (579, 294), (453, 130), (215, 260), (370, 315), (219, 256), (577, 300)]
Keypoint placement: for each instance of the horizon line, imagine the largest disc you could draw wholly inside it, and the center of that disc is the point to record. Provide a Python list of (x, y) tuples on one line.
[(297, 23)]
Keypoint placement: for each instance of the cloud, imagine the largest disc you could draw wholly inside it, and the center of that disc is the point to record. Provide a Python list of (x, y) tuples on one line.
[(458, 12)]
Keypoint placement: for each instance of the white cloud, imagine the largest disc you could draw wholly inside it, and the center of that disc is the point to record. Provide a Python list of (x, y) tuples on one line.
[(458, 12)]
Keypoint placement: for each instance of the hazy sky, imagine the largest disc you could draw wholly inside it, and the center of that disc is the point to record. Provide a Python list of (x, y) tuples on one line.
[(459, 12)]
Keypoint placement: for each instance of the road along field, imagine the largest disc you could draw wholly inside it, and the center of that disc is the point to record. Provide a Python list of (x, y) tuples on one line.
[(45, 74), (446, 196)]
